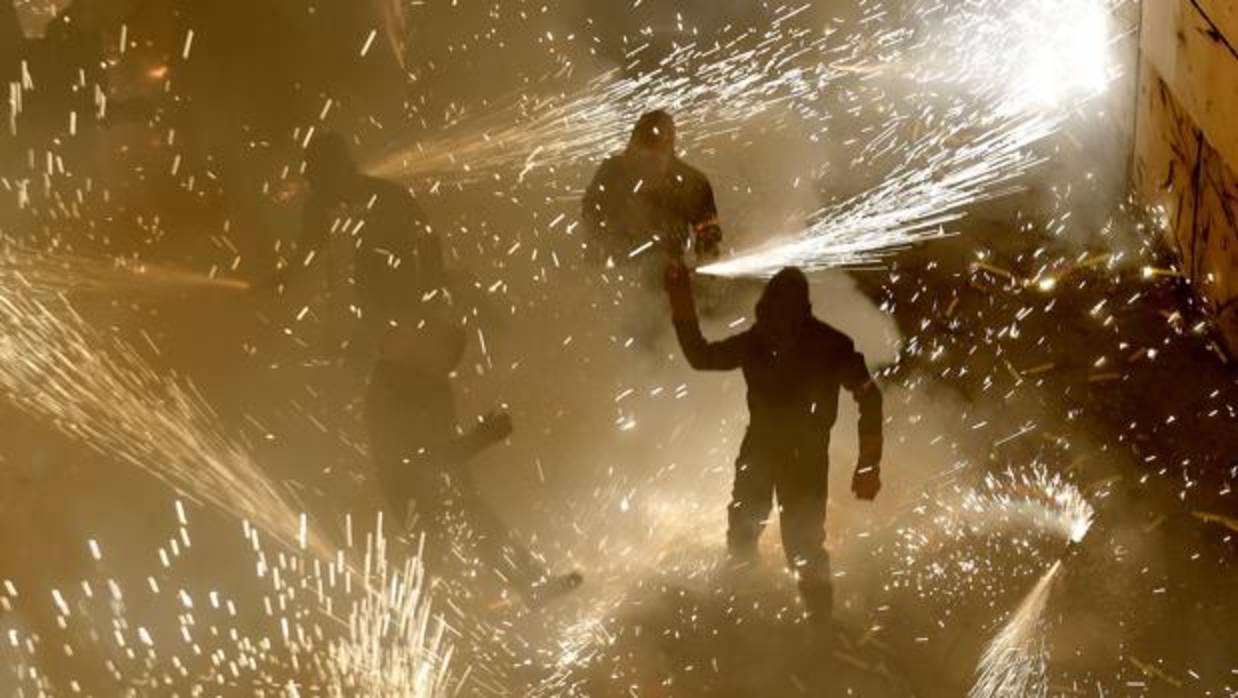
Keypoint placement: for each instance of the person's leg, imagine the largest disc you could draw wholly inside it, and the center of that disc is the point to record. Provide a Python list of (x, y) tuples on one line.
[(497, 546), (751, 501), (802, 493)]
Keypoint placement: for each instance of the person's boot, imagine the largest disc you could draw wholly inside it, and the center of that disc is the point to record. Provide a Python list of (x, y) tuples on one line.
[(818, 601), (819, 637)]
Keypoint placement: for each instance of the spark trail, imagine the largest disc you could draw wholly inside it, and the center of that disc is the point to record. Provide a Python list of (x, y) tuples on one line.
[(1021, 518), (322, 628), (1015, 662), (98, 390), (1022, 69), (1040, 500), (48, 275), (910, 206), (1003, 75), (772, 76)]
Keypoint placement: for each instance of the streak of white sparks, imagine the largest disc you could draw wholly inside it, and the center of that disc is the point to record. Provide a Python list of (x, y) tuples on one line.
[(324, 628), (1040, 499), (1015, 663), (912, 205), (1026, 65), (47, 275), (712, 90), (101, 392)]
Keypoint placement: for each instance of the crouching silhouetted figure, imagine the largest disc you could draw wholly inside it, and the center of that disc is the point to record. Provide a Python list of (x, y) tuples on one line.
[(794, 366), (422, 460)]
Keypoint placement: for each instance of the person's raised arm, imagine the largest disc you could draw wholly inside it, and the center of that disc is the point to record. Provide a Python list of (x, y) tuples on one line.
[(867, 480), (701, 354)]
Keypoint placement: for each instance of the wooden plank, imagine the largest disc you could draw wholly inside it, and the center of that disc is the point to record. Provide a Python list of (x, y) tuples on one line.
[(1166, 156), (1224, 15), (1199, 66), (1216, 230)]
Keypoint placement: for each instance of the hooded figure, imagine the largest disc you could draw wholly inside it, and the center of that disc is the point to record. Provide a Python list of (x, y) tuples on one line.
[(794, 366), (398, 256), (646, 194)]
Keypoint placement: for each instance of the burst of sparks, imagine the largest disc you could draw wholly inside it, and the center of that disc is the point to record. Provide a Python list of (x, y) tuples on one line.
[(910, 206), (1019, 62), (329, 628), (1039, 498), (1020, 70), (101, 392), (1006, 512), (1006, 505), (711, 89), (1015, 662), (48, 275)]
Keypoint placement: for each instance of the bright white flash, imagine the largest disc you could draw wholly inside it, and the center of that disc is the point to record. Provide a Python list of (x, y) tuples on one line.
[(1022, 66)]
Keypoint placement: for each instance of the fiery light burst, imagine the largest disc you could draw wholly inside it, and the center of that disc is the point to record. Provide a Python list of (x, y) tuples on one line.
[(1015, 662), (99, 390), (1019, 70), (302, 627), (712, 90), (1039, 499), (48, 275), (911, 205), (988, 82), (1010, 513)]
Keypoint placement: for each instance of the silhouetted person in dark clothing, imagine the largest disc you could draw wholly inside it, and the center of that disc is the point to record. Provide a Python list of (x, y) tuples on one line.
[(68, 84), (646, 195), (794, 366), (421, 458), (397, 256), (646, 207)]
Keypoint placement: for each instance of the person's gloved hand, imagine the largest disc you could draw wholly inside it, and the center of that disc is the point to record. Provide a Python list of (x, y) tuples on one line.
[(708, 241), (495, 427), (866, 482)]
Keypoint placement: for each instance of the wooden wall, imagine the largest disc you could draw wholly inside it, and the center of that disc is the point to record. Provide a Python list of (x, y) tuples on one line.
[(1186, 142)]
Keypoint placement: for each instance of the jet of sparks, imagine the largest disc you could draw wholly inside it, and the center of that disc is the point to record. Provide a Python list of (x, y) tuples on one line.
[(1015, 662), (712, 90), (324, 627), (48, 275), (1022, 68), (911, 205), (100, 391)]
